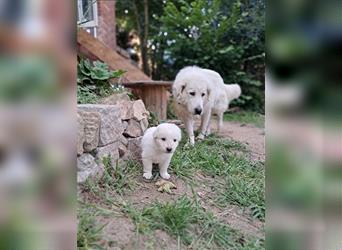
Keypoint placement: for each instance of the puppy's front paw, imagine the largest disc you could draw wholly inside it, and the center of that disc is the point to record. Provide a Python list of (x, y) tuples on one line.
[(192, 141), (200, 136), (165, 176), (147, 176)]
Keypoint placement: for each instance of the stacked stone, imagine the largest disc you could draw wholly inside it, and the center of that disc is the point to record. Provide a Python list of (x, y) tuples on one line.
[(112, 129)]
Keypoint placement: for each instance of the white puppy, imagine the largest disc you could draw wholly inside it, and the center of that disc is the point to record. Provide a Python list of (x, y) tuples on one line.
[(158, 145), (201, 92)]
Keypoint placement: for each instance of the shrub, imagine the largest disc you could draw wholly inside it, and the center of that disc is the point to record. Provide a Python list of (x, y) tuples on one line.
[(222, 35), (93, 81)]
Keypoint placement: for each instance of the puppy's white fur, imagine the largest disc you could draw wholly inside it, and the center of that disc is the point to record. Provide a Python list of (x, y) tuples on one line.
[(197, 89), (158, 145)]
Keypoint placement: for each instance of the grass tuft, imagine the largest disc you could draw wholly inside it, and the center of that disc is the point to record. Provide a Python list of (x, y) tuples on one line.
[(88, 230), (118, 180), (248, 117), (244, 186), (209, 156), (185, 220)]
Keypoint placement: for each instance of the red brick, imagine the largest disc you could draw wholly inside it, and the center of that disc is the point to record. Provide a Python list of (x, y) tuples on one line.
[(106, 23)]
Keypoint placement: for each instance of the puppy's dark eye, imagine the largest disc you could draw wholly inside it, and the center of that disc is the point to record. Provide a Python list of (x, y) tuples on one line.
[(203, 94), (174, 140), (192, 93), (164, 139)]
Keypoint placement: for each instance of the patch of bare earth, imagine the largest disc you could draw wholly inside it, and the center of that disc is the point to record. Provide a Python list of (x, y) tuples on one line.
[(119, 233), (147, 192), (248, 134)]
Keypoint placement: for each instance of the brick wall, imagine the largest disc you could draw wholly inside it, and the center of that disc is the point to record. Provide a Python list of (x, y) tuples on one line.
[(106, 22)]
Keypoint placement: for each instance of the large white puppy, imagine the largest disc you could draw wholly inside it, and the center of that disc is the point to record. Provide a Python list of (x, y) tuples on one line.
[(201, 92), (158, 145)]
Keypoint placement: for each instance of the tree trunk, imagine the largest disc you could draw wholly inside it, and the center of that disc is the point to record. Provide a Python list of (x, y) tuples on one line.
[(142, 29), (144, 49)]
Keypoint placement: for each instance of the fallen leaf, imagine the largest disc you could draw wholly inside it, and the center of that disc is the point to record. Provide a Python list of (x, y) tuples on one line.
[(165, 186)]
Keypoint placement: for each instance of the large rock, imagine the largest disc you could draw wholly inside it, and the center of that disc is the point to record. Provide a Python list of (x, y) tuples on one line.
[(133, 129), (122, 150), (133, 110), (115, 99), (111, 150), (87, 168), (80, 134), (125, 124), (123, 143), (133, 149), (123, 140), (110, 126), (144, 124), (91, 130)]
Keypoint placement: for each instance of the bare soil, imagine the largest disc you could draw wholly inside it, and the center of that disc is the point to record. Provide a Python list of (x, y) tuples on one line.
[(251, 136)]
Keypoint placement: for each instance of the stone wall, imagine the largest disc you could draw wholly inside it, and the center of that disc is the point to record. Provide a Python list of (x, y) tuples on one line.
[(111, 129)]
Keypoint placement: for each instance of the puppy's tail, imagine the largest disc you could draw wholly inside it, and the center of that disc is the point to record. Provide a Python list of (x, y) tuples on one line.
[(233, 91)]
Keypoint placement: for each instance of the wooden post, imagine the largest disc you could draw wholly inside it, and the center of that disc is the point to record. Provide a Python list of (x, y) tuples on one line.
[(155, 99)]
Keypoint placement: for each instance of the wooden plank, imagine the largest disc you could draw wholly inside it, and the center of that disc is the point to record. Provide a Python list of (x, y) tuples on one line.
[(141, 84)]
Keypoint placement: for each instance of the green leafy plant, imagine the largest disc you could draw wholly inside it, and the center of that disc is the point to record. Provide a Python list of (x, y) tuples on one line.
[(93, 81), (153, 119)]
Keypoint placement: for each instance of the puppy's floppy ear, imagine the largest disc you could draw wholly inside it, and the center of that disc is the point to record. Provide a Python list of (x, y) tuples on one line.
[(178, 91), (155, 134), (182, 88), (208, 94)]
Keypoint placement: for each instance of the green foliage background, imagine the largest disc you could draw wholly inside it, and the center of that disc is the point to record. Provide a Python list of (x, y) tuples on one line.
[(224, 35)]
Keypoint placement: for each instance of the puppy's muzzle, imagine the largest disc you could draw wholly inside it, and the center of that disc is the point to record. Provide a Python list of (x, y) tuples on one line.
[(168, 150)]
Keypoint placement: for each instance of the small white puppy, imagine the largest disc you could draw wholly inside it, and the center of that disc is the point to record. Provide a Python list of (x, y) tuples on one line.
[(158, 145)]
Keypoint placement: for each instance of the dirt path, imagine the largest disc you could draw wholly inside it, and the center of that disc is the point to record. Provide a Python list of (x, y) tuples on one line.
[(248, 134), (251, 136)]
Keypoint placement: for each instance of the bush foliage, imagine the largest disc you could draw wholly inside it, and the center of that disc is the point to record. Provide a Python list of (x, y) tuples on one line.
[(228, 38), (224, 35)]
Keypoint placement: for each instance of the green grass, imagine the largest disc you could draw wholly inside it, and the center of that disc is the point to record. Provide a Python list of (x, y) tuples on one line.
[(238, 180), (116, 180), (121, 177), (210, 156), (88, 230), (248, 117), (243, 185), (187, 222)]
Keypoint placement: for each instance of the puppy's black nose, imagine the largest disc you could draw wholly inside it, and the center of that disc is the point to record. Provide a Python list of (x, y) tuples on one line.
[(168, 149), (198, 111)]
